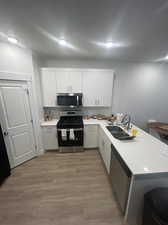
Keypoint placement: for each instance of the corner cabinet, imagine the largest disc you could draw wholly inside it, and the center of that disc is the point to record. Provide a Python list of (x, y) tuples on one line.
[(96, 85)]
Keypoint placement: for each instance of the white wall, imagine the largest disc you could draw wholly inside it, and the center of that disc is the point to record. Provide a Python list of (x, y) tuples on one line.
[(140, 88), (15, 60), (37, 81), (19, 61)]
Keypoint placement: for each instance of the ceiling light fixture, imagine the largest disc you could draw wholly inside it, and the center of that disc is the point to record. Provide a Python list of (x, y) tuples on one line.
[(111, 44), (166, 57), (12, 40), (62, 42)]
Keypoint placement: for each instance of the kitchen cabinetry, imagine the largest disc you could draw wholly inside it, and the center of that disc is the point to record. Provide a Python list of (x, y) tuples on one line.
[(49, 88), (97, 88), (68, 81), (59, 81), (90, 136), (50, 138), (105, 148), (96, 85), (75, 80)]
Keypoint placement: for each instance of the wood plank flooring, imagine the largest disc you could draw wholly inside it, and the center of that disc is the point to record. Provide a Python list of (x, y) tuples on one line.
[(59, 189)]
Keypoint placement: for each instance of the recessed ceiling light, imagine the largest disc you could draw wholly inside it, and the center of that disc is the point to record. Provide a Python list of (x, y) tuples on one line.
[(111, 44), (12, 40), (166, 57), (62, 42)]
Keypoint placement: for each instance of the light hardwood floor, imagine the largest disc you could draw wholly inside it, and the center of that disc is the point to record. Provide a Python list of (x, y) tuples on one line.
[(59, 189)]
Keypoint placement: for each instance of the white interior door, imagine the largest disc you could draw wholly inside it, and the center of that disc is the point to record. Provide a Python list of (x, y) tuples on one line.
[(17, 123)]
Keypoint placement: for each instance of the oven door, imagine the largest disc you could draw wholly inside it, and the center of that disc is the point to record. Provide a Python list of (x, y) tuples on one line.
[(67, 141)]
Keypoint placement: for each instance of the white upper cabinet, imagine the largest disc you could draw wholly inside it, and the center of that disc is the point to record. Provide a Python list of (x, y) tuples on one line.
[(61, 77), (49, 88), (97, 88), (69, 81), (96, 85), (75, 80)]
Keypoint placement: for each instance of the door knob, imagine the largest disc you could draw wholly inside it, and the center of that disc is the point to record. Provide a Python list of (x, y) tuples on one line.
[(5, 133)]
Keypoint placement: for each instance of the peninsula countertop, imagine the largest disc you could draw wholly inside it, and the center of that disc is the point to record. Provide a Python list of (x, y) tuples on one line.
[(143, 155)]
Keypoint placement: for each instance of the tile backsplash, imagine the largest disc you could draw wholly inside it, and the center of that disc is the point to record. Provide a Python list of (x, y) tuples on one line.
[(90, 111)]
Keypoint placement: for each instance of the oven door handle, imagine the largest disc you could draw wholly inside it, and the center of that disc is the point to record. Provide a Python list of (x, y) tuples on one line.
[(75, 129)]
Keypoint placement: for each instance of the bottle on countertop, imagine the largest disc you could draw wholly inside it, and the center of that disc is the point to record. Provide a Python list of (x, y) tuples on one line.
[(119, 118)]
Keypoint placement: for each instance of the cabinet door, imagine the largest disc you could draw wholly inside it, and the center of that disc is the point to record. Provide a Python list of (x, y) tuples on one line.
[(62, 81), (107, 152), (49, 88), (50, 138), (90, 88), (75, 80), (105, 149), (97, 88), (69, 81), (102, 145), (105, 94), (90, 136)]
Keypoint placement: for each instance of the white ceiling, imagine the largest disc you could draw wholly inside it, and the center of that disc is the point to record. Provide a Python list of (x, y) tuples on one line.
[(140, 25)]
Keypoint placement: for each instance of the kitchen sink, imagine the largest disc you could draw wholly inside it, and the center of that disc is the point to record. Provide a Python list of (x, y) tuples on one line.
[(119, 133)]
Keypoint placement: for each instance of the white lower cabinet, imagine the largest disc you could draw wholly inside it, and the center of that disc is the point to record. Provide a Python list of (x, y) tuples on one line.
[(90, 136), (50, 138), (105, 148)]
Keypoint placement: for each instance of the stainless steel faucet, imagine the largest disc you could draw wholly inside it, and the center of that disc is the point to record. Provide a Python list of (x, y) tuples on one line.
[(126, 121)]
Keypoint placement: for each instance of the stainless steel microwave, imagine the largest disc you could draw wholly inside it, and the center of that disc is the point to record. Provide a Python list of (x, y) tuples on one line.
[(69, 99)]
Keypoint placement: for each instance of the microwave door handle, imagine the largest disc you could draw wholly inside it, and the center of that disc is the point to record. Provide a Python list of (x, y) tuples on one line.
[(77, 100)]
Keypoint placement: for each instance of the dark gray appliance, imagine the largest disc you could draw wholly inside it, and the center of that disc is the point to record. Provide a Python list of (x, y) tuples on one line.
[(4, 162), (69, 99), (120, 176), (70, 132)]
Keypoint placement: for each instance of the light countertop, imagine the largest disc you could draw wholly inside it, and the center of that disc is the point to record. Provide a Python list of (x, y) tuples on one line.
[(143, 155), (55, 121)]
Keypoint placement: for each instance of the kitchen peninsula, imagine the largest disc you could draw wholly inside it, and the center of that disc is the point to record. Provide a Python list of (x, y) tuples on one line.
[(145, 157)]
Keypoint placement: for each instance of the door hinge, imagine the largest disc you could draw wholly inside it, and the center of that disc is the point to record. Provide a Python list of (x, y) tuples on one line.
[(27, 90), (31, 120)]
